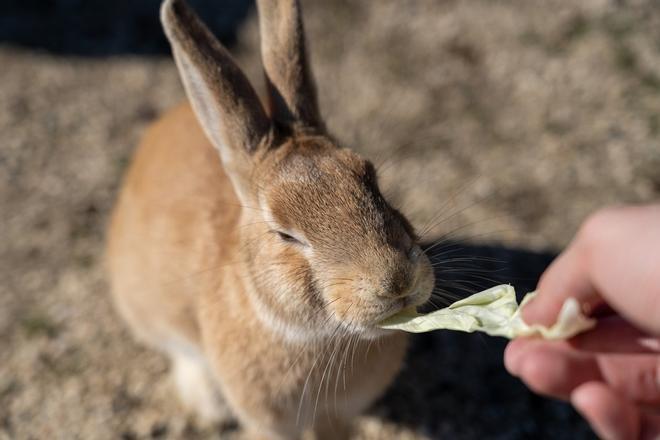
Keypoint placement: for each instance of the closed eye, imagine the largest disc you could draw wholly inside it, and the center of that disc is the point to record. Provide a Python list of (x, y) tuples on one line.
[(287, 237)]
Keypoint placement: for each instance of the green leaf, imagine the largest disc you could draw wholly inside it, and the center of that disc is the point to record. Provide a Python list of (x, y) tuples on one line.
[(494, 311)]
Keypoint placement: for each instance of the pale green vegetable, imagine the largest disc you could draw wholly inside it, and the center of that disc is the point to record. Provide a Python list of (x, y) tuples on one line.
[(494, 311)]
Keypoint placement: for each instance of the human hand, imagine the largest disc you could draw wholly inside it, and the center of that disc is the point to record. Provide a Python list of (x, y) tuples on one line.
[(612, 373)]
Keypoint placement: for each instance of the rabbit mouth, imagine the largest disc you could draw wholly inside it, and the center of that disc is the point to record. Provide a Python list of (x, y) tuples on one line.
[(361, 314), (412, 301), (409, 302)]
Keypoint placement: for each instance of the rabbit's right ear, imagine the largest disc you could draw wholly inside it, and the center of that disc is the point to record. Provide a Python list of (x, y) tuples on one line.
[(224, 102), (291, 89)]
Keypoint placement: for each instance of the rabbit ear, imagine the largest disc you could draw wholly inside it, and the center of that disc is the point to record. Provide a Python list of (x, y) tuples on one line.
[(225, 103), (291, 89)]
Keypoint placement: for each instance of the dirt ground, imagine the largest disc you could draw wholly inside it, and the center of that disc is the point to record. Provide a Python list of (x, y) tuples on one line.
[(494, 123)]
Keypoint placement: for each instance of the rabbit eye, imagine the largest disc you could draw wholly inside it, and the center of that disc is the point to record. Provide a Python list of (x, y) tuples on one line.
[(287, 238)]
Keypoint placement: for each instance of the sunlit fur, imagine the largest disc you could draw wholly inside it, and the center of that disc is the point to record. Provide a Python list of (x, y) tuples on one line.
[(262, 276), (357, 258)]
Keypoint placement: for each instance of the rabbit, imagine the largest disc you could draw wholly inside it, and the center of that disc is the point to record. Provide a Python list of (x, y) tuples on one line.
[(254, 251)]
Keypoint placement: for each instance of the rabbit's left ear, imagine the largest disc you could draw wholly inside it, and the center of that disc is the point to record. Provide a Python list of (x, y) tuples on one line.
[(291, 90), (225, 103)]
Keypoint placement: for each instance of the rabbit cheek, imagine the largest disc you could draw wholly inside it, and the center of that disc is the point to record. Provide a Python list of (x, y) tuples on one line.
[(346, 302), (283, 283), (341, 301), (425, 282)]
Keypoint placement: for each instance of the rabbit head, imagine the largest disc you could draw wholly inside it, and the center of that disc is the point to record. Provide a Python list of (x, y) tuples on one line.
[(322, 249)]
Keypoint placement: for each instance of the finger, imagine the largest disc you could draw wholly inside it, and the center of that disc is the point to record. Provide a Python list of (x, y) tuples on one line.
[(609, 414), (517, 349), (615, 335), (566, 277), (553, 368), (623, 244), (515, 353)]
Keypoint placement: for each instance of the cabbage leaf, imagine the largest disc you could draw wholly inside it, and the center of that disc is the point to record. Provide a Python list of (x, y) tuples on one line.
[(494, 311)]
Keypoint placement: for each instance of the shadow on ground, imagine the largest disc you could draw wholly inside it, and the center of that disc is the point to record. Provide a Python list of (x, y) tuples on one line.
[(455, 385), (100, 28)]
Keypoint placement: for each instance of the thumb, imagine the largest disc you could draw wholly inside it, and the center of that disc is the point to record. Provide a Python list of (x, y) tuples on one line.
[(567, 276)]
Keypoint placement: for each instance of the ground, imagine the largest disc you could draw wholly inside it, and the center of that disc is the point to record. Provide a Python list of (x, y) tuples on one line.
[(492, 123)]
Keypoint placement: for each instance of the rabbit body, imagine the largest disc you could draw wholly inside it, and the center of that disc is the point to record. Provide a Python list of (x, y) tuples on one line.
[(255, 252), (182, 291)]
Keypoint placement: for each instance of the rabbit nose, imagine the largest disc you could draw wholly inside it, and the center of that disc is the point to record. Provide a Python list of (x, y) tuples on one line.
[(396, 285)]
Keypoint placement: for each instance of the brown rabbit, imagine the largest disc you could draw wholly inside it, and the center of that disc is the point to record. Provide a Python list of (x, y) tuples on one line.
[(254, 251)]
